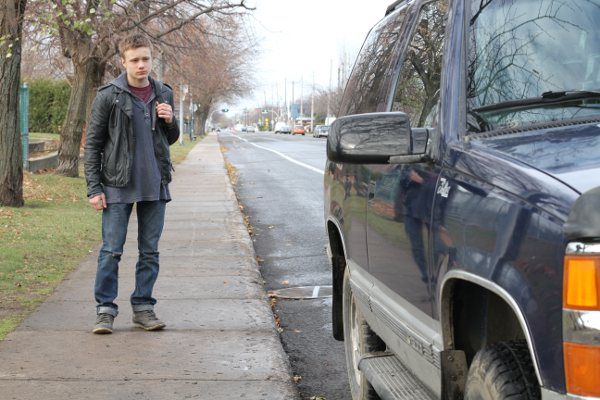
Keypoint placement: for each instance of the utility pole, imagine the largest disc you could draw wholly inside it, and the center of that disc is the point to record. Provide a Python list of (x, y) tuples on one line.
[(191, 119), (292, 101), (312, 104), (278, 101), (302, 97), (285, 103), (183, 89), (329, 93)]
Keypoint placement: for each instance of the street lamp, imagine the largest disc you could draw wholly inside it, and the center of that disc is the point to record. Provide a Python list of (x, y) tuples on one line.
[(210, 116)]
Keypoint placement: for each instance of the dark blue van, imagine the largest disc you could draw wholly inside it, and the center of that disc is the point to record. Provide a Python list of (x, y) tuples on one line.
[(462, 203)]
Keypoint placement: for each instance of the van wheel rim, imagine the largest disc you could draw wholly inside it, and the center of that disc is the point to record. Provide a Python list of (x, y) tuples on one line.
[(355, 343)]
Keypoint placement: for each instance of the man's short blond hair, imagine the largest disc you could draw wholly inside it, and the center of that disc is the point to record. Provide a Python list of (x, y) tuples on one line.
[(133, 41)]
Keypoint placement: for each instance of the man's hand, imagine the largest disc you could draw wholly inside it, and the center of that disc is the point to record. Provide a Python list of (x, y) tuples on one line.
[(98, 202), (415, 177), (164, 111)]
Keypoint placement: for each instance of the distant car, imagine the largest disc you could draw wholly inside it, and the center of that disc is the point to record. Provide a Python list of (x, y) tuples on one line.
[(244, 129), (298, 130), (283, 129), (321, 130), (250, 128)]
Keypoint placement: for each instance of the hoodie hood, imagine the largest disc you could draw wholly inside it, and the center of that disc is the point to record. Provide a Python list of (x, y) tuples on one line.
[(121, 82), (570, 153)]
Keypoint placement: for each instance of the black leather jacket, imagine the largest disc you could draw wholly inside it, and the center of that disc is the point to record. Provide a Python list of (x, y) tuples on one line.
[(110, 138)]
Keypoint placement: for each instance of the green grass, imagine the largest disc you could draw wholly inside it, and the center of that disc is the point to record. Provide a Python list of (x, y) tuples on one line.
[(180, 151), (43, 136), (41, 242), (7, 325)]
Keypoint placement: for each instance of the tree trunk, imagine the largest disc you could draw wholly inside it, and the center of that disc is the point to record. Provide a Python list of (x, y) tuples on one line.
[(198, 123), (200, 120), (11, 156), (88, 77), (204, 114)]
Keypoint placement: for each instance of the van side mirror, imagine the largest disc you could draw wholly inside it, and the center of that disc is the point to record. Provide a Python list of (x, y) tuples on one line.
[(371, 138)]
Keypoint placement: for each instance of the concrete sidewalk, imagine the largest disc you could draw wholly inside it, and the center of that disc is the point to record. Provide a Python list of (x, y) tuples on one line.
[(220, 341)]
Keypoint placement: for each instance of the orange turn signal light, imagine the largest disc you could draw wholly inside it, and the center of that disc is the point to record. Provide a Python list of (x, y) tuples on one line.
[(581, 283), (582, 369)]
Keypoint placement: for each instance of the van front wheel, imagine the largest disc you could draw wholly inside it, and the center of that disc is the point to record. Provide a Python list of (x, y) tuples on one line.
[(502, 371)]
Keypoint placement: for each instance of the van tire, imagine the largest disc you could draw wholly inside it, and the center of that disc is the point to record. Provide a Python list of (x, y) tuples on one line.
[(502, 371), (337, 299), (359, 339)]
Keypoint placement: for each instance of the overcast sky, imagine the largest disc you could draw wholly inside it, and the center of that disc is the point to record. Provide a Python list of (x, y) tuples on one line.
[(300, 38)]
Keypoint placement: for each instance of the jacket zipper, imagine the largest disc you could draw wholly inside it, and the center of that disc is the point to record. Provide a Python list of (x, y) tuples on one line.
[(153, 113)]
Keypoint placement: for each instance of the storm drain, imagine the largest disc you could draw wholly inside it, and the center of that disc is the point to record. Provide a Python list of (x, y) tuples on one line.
[(302, 292)]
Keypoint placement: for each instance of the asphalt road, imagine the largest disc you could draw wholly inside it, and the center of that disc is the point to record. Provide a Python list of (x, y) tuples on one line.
[(280, 186)]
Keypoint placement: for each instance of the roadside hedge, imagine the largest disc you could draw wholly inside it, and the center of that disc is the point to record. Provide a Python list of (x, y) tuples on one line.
[(48, 101)]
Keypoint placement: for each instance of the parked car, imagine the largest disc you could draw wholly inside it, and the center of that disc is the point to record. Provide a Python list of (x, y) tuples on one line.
[(284, 129), (298, 130), (321, 130), (462, 203)]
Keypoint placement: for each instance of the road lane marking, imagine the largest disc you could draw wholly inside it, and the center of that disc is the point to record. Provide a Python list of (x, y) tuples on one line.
[(315, 292), (303, 292), (300, 163)]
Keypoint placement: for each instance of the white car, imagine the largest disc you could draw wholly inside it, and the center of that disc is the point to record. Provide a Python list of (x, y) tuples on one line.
[(283, 129), (321, 130)]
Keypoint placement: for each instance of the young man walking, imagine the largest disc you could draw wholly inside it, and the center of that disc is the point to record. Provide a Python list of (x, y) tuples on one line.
[(127, 163)]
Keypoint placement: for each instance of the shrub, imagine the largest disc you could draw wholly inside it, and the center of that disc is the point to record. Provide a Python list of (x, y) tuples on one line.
[(48, 101)]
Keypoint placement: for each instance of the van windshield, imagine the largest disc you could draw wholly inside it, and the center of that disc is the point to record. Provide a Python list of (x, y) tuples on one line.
[(522, 50)]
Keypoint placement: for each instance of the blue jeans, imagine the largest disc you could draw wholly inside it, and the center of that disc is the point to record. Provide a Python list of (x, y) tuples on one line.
[(115, 219)]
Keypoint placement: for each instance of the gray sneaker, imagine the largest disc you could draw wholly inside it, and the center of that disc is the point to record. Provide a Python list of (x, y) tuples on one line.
[(104, 323), (147, 320)]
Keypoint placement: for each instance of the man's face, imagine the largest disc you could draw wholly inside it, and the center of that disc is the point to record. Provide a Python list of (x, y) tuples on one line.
[(138, 64)]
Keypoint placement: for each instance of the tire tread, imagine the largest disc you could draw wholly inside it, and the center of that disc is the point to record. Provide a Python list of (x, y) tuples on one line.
[(506, 370)]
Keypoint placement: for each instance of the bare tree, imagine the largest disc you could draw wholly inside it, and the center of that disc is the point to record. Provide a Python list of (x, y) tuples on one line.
[(88, 31), (41, 57), (11, 158), (213, 56)]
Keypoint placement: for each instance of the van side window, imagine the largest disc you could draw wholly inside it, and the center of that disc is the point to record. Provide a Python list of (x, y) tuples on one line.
[(368, 87), (418, 88)]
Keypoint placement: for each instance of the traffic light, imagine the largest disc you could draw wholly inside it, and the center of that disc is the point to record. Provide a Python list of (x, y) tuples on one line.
[(224, 110)]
